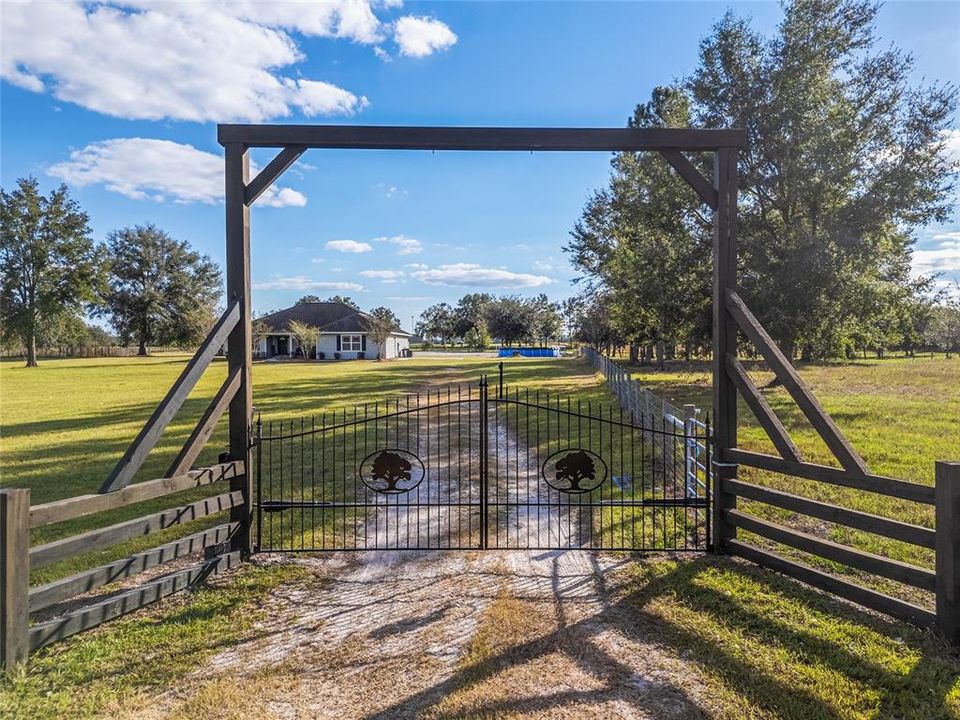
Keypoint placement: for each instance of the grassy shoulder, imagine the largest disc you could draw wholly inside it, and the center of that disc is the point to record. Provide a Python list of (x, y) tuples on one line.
[(115, 668), (771, 648)]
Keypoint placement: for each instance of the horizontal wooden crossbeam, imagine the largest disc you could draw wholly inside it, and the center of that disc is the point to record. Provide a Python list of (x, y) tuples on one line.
[(782, 368), (65, 588), (67, 547), (479, 138), (833, 584), (893, 529), (880, 484), (74, 507), (133, 458), (859, 559), (90, 616)]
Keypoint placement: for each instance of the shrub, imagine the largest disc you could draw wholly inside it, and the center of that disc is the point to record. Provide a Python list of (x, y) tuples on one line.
[(337, 356)]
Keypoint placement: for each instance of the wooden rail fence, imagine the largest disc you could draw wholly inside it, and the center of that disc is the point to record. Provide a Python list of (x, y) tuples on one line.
[(18, 600), (729, 519)]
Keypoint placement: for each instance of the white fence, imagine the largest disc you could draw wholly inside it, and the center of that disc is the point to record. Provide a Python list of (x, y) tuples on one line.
[(640, 402)]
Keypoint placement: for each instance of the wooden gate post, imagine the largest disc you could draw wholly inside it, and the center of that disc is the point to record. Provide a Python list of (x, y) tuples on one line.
[(724, 336), (14, 576), (239, 350), (947, 497)]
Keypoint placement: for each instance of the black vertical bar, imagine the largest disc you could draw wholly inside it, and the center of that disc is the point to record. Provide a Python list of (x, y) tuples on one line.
[(484, 540), (500, 386), (280, 479), (259, 483)]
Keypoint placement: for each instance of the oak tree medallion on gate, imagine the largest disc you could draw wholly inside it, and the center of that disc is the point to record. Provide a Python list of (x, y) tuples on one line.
[(391, 471), (574, 471)]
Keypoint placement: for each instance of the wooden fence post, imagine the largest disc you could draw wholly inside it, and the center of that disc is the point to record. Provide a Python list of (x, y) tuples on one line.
[(723, 530), (14, 576), (947, 497), (724, 336)]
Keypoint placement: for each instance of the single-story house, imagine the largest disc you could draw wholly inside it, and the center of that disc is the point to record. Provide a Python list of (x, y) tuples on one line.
[(344, 332)]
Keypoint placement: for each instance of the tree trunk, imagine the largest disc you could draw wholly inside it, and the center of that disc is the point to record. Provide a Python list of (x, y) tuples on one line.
[(634, 352), (143, 347), (31, 347), (661, 350)]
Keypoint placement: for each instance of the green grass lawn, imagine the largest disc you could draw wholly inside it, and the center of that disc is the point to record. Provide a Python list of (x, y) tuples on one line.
[(768, 647)]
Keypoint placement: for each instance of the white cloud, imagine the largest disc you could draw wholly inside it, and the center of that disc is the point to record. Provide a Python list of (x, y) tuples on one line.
[(406, 245), (543, 265), (387, 276), (301, 282), (952, 140), (943, 258), (472, 275), (145, 168), (349, 246), (421, 36), (390, 191), (219, 61)]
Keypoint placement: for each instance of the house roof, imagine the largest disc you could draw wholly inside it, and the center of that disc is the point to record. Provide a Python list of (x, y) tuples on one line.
[(328, 317)]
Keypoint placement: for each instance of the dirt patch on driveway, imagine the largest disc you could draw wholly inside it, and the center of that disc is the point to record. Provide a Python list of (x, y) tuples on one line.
[(389, 634)]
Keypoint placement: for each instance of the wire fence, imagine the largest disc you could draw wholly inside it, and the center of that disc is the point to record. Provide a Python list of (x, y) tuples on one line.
[(642, 403)]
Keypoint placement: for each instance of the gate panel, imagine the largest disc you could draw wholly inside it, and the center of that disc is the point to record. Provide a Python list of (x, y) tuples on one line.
[(565, 474), (403, 473)]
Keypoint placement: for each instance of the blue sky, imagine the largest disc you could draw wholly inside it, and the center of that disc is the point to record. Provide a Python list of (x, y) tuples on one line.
[(121, 101)]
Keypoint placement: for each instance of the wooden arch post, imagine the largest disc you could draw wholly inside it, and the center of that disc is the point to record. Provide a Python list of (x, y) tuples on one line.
[(724, 339), (239, 350)]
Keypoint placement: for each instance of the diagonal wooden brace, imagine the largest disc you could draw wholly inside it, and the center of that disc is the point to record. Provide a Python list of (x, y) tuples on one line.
[(762, 410), (688, 172), (808, 404), (133, 458)]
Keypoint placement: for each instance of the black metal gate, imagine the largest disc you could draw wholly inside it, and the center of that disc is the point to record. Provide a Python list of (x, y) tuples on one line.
[(481, 468)]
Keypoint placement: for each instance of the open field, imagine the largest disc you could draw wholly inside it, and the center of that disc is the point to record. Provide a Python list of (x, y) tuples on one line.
[(708, 637)]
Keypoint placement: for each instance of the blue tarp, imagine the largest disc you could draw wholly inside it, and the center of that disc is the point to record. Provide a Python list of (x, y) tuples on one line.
[(530, 351)]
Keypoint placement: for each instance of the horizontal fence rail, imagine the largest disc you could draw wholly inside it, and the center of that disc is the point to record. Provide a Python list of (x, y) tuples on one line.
[(18, 600), (941, 581)]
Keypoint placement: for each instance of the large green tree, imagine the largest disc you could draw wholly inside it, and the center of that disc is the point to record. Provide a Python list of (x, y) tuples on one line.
[(645, 241), (49, 265), (845, 157), (844, 160), (160, 290), (437, 321)]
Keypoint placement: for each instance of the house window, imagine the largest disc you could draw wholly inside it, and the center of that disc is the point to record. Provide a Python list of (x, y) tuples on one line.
[(350, 343)]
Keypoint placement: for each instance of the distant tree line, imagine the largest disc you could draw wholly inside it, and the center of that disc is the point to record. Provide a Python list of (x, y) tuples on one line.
[(150, 288), (845, 160), (480, 318)]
